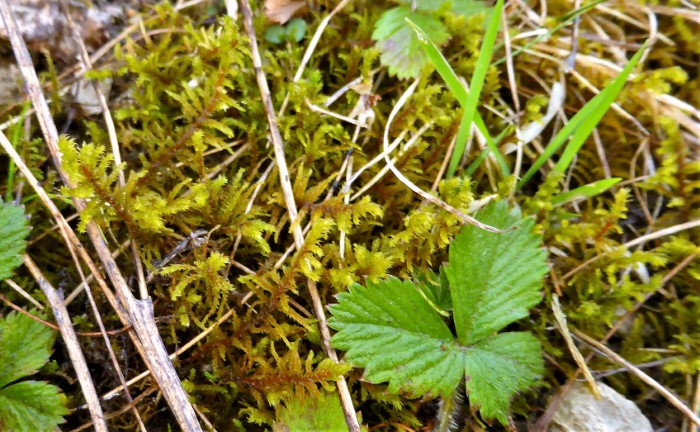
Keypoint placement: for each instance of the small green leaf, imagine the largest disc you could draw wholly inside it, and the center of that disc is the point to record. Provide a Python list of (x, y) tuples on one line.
[(399, 46), (13, 231), (500, 366), (275, 34), (469, 7), (435, 287), (391, 330), (25, 346), (586, 191), (296, 29), (494, 278), (427, 5), (309, 413), (31, 406)]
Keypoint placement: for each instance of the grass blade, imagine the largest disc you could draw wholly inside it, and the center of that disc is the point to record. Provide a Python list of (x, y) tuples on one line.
[(476, 85), (460, 93), (583, 123), (587, 191)]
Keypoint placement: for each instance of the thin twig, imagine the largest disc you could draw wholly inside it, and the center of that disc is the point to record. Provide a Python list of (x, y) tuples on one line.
[(140, 313), (278, 146), (71, 340), (639, 240), (24, 294), (54, 326)]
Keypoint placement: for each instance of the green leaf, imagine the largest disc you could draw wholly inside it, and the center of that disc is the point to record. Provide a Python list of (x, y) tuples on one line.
[(469, 7), (31, 406), (309, 413), (494, 278), (392, 331), (460, 93), (500, 366), (13, 231), (275, 34), (427, 5), (398, 44), (586, 191), (296, 29), (583, 123), (25, 346)]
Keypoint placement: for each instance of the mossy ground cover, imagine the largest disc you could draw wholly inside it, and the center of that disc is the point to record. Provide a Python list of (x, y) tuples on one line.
[(201, 199)]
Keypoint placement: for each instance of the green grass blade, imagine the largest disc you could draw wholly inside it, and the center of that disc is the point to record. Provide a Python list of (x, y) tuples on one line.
[(583, 123), (460, 93), (587, 191), (476, 85)]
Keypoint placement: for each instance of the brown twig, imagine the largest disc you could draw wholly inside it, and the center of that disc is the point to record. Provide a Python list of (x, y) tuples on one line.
[(54, 326)]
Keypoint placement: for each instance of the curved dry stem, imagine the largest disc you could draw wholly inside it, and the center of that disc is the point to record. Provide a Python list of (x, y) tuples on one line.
[(423, 194)]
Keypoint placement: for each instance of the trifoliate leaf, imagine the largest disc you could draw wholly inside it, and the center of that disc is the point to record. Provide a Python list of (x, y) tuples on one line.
[(391, 330), (494, 278), (31, 406), (25, 346), (399, 46), (394, 330), (13, 231)]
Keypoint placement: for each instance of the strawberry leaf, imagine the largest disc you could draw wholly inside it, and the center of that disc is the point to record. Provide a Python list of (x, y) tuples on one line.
[(399, 46), (389, 328), (494, 278), (31, 406), (394, 330), (13, 230)]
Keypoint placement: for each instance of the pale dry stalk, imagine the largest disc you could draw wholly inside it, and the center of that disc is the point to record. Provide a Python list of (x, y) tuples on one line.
[(69, 337), (140, 313)]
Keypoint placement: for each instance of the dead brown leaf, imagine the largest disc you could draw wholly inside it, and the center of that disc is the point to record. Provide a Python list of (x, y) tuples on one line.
[(281, 11)]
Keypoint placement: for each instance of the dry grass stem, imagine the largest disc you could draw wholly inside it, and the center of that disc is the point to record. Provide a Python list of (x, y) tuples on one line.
[(426, 196), (152, 348)]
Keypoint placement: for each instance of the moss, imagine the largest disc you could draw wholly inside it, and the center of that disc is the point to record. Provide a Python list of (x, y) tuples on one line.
[(193, 134)]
